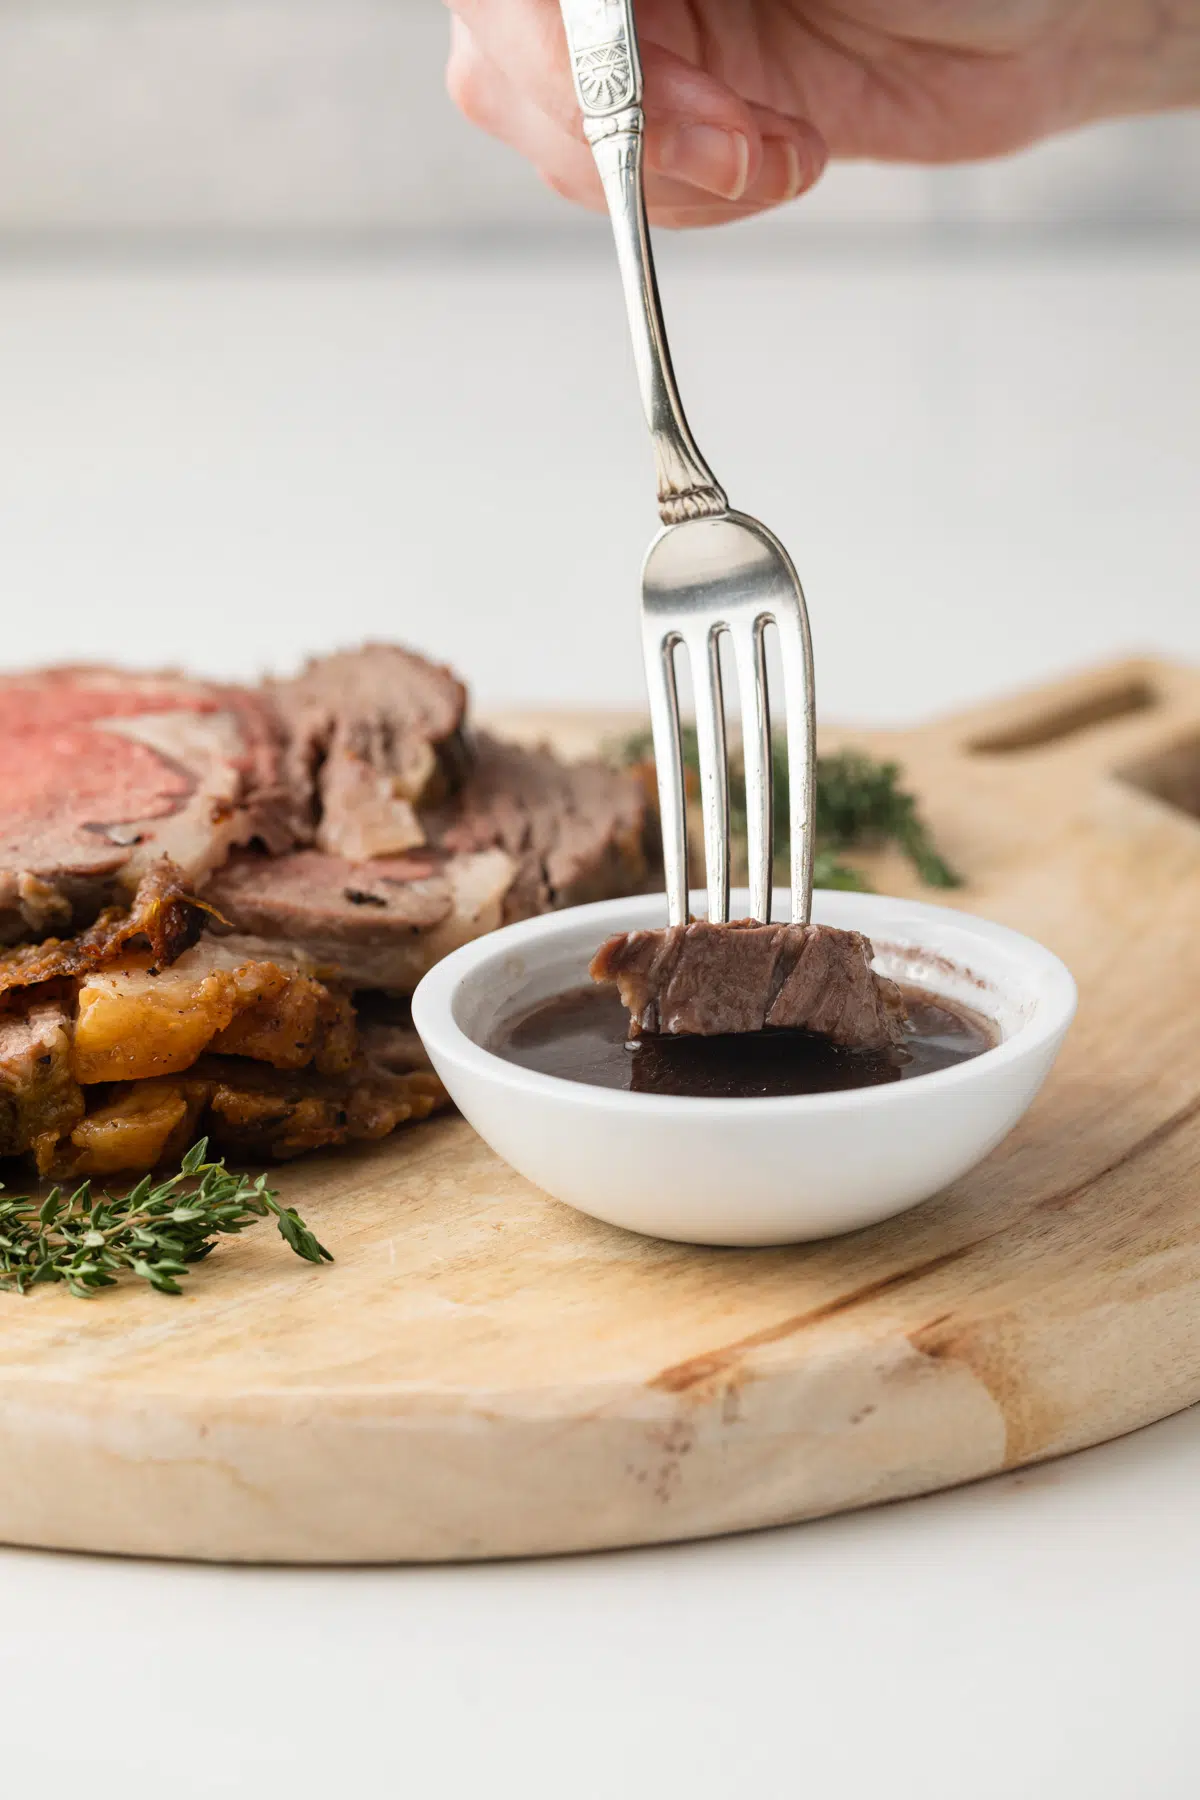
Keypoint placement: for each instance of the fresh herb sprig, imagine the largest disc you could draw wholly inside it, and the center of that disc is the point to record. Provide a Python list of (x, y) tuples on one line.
[(154, 1231), (860, 805), (860, 801)]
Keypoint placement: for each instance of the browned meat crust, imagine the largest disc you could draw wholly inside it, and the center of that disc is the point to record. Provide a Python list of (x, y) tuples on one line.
[(116, 1069), (246, 1110), (709, 980), (159, 925), (231, 994), (256, 1112)]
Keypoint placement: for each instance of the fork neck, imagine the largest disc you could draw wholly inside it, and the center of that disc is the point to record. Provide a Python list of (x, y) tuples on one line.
[(687, 488)]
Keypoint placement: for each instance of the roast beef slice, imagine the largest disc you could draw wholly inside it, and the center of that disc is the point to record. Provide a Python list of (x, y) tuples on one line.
[(380, 924), (575, 831), (709, 980), (107, 771), (373, 734), (526, 834)]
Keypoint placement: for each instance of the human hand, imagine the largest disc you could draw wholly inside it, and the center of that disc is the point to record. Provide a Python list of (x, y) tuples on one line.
[(745, 99)]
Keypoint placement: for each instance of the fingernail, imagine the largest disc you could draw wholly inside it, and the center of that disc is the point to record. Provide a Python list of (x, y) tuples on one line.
[(783, 173), (707, 157)]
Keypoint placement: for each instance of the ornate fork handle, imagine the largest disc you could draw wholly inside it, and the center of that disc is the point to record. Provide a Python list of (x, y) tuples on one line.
[(608, 81)]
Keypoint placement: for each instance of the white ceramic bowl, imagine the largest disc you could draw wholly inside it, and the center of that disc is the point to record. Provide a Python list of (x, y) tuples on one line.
[(766, 1171)]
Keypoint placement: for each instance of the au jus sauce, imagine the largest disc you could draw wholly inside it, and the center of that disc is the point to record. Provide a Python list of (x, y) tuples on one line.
[(583, 1035)]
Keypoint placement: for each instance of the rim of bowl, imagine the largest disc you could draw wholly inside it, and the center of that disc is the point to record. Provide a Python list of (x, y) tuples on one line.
[(433, 1009)]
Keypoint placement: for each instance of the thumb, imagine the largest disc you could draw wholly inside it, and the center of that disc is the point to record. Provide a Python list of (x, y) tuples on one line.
[(698, 130)]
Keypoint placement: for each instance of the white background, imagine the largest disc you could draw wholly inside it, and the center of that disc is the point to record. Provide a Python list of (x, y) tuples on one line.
[(326, 117), (984, 466), (1031, 1638), (288, 359)]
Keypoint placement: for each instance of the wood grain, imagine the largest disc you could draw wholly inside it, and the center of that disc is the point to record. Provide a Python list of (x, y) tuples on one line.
[(484, 1373)]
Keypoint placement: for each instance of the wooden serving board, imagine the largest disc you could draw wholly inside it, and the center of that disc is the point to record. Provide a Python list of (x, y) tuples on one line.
[(484, 1373)]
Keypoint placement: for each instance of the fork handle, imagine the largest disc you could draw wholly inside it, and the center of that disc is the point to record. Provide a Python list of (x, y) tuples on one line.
[(608, 80)]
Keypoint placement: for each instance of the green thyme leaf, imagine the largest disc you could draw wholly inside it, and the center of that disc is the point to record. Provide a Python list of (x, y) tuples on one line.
[(860, 805), (295, 1232), (195, 1158), (154, 1232)]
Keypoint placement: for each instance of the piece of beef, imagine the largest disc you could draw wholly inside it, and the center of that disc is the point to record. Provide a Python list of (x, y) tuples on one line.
[(575, 831), (39, 1096), (378, 924), (526, 834), (372, 735), (106, 771), (709, 980)]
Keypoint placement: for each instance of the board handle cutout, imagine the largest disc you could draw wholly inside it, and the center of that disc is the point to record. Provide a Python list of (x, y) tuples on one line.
[(1082, 709), (1171, 775)]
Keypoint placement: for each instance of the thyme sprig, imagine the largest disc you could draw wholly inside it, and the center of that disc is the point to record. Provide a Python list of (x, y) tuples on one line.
[(861, 802), (860, 805), (154, 1231)]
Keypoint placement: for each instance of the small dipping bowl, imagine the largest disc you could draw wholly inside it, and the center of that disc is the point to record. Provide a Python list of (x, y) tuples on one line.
[(759, 1171)]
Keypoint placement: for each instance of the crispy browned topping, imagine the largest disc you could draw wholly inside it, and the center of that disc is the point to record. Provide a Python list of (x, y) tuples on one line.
[(245, 1109), (160, 924)]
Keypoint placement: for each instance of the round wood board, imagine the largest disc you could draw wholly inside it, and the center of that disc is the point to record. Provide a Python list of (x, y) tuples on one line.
[(483, 1373)]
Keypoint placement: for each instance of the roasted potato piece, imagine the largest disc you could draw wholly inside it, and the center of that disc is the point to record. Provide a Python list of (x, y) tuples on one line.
[(134, 1023), (141, 1126)]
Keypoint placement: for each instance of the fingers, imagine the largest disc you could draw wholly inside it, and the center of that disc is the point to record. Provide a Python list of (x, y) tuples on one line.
[(716, 158)]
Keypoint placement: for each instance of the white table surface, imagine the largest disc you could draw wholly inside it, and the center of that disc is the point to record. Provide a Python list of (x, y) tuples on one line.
[(987, 473)]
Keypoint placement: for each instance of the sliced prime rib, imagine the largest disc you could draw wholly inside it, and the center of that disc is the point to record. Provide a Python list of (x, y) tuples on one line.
[(575, 831), (373, 734), (119, 1067), (208, 872), (344, 811), (710, 980), (379, 924), (105, 771), (526, 833)]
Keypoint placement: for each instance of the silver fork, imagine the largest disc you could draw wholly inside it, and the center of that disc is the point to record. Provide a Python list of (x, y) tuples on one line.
[(710, 571)]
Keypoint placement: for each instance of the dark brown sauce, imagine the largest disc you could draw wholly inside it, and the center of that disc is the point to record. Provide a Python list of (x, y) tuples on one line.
[(583, 1036)]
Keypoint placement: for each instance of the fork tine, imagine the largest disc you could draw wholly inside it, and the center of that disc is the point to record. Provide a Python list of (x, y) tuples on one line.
[(795, 649), (705, 654), (750, 652), (668, 760)]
